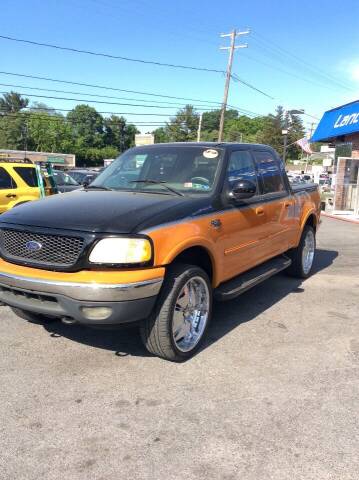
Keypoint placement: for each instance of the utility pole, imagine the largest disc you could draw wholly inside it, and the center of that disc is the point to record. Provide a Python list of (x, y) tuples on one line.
[(24, 135), (310, 136), (288, 119), (233, 35), (199, 127)]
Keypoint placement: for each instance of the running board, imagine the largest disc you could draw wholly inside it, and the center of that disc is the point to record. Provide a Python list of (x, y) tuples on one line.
[(238, 285)]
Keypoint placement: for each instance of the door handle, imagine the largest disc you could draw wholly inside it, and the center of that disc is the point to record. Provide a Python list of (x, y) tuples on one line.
[(287, 204), (11, 195), (259, 211)]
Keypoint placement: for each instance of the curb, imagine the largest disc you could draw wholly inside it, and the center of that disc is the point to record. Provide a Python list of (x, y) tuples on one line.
[(339, 218)]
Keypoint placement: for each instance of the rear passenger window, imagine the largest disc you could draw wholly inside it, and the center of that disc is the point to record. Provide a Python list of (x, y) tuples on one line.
[(269, 171), (6, 181), (241, 167), (28, 174)]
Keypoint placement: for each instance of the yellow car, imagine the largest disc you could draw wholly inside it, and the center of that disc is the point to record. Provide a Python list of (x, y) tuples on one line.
[(18, 184)]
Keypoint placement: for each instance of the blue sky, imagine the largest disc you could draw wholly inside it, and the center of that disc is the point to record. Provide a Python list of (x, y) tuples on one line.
[(187, 33)]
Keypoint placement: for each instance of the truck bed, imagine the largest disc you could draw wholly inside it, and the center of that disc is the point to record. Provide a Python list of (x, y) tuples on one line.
[(304, 187)]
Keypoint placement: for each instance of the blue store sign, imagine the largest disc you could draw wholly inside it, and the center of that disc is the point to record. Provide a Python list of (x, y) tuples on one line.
[(339, 121)]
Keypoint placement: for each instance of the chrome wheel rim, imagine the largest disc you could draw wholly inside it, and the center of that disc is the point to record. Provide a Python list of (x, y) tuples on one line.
[(308, 252), (190, 314)]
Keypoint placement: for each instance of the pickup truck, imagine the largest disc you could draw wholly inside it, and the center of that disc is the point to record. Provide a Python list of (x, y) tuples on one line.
[(155, 237)]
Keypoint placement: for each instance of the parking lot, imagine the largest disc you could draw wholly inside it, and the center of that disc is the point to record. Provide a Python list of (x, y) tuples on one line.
[(272, 395)]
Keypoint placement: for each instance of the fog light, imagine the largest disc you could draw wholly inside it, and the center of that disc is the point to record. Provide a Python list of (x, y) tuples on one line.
[(96, 313)]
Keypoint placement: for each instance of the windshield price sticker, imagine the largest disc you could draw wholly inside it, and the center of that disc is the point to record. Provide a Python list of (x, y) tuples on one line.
[(210, 153)]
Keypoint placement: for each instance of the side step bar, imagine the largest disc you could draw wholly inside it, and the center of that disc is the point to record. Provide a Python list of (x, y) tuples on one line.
[(238, 285)]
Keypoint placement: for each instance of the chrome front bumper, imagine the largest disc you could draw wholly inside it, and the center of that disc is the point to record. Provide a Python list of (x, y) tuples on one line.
[(92, 292)]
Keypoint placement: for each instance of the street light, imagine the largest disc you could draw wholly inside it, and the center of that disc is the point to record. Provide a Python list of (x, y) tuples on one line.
[(288, 113)]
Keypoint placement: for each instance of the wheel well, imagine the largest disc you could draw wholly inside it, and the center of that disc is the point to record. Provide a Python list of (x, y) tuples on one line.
[(312, 221), (196, 256)]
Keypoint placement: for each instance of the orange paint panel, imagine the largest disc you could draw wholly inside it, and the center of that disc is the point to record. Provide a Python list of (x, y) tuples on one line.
[(84, 276), (241, 231)]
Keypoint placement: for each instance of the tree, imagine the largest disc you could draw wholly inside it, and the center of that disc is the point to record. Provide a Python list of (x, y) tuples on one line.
[(272, 132), (244, 129), (295, 132), (12, 103), (118, 133), (12, 131), (183, 127), (210, 120), (161, 135), (49, 132), (87, 126)]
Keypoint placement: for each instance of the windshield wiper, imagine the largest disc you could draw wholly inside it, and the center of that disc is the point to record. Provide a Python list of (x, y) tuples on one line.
[(159, 182), (97, 187)]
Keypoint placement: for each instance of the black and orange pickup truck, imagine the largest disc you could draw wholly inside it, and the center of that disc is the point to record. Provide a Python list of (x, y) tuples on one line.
[(158, 234)]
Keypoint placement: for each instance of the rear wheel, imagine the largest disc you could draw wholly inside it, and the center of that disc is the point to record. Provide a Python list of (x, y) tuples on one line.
[(178, 325), (32, 316), (303, 256)]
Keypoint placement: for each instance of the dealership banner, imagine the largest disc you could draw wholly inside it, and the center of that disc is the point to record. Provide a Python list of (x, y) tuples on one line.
[(337, 122)]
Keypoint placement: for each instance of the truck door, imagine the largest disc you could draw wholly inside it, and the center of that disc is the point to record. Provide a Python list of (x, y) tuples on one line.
[(244, 224), (278, 202), (8, 190)]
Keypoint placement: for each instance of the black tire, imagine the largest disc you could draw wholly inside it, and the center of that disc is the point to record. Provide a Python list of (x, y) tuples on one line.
[(32, 316), (156, 330), (296, 255)]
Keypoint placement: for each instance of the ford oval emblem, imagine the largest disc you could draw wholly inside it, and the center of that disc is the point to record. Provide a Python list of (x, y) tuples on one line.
[(33, 246)]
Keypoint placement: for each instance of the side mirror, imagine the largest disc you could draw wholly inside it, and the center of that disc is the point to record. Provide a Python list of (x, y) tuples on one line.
[(242, 189)]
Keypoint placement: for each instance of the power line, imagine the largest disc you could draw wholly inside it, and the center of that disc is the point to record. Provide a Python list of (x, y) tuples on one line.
[(55, 118), (114, 57), (117, 57), (198, 107), (104, 87), (286, 72), (102, 112), (54, 109), (278, 50), (237, 79), (244, 111), (90, 101), (91, 94)]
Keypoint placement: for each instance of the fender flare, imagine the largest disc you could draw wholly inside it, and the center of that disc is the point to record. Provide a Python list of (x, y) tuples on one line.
[(311, 212), (200, 242)]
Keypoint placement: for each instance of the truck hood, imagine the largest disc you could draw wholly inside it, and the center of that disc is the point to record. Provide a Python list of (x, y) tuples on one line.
[(104, 211)]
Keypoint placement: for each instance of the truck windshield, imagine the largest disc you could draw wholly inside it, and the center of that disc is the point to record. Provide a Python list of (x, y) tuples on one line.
[(186, 169)]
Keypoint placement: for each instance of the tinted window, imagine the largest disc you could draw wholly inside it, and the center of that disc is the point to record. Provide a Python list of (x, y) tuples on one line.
[(28, 175), (189, 169), (270, 172), (241, 167), (62, 178), (6, 180), (78, 176)]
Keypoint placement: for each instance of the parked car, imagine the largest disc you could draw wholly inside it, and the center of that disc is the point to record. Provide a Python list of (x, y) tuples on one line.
[(83, 176), (65, 182), (163, 230), (19, 184)]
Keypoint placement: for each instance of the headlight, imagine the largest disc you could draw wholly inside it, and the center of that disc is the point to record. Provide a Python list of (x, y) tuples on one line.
[(121, 251)]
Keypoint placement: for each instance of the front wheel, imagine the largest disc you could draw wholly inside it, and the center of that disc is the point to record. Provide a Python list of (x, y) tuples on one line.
[(303, 256), (178, 325)]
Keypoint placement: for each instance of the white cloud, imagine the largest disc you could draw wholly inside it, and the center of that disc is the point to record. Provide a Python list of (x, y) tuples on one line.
[(354, 71), (350, 68)]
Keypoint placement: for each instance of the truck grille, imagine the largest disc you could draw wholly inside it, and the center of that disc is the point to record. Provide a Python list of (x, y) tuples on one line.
[(40, 249)]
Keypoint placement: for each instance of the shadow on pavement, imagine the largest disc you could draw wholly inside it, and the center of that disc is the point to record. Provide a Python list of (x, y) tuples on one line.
[(226, 316)]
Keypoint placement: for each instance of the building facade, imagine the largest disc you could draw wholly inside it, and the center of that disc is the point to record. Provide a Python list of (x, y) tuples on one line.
[(64, 160), (340, 126)]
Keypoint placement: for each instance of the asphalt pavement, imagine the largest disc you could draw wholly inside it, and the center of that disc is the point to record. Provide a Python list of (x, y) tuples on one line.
[(274, 393)]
